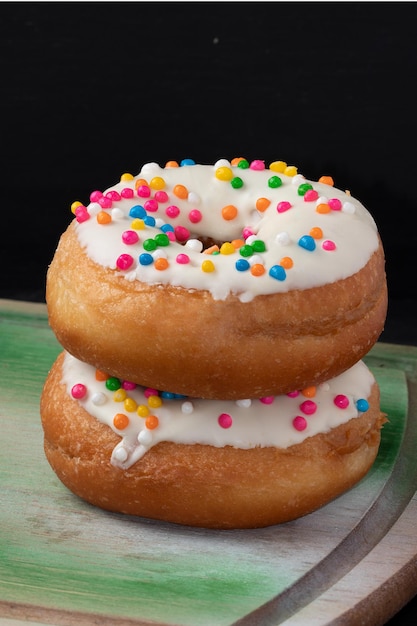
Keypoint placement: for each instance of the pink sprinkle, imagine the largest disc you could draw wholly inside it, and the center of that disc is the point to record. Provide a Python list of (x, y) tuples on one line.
[(144, 191), (81, 214), (113, 195), (171, 235), (308, 407), (150, 392), (182, 259), (130, 237), (161, 196), (310, 195), (151, 205), (124, 261), (105, 202), (225, 420), (257, 165), (78, 391), (182, 233), (341, 401), (247, 232), (328, 245), (127, 192), (283, 206), (299, 423), (95, 196), (172, 211), (195, 216), (126, 384), (335, 204), (293, 394), (267, 399)]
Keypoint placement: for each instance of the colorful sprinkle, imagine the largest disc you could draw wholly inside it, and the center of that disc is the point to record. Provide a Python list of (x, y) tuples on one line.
[(225, 420), (130, 237), (308, 407), (124, 262), (208, 266), (362, 405), (283, 206), (278, 272), (121, 421), (151, 422), (328, 245), (341, 401), (79, 391), (299, 423), (229, 212)]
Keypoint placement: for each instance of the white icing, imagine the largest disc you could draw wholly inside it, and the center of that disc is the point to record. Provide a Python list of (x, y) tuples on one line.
[(352, 230), (190, 421)]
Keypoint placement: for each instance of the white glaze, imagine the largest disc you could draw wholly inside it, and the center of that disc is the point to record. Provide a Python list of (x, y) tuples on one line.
[(352, 230), (190, 421)]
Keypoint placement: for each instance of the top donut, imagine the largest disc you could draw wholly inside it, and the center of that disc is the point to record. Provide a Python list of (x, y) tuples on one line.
[(225, 281)]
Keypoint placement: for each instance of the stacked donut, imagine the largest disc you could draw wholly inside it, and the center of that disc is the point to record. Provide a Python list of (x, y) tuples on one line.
[(213, 319)]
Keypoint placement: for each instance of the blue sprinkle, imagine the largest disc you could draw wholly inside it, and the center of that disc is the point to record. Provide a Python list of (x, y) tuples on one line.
[(145, 258), (167, 227), (307, 242), (167, 395), (242, 265), (187, 162), (362, 405), (149, 220), (278, 272), (137, 211)]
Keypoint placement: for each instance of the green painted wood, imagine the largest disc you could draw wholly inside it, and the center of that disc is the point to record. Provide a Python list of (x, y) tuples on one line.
[(61, 556)]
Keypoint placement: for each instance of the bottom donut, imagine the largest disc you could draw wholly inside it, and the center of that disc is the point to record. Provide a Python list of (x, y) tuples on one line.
[(211, 464)]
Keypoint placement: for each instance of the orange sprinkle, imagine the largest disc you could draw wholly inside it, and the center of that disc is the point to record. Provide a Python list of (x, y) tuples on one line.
[(257, 269), (212, 249), (101, 376), (286, 262), (326, 180), (316, 232), (120, 421), (323, 208), (141, 182), (229, 212), (103, 217), (309, 392), (152, 422), (181, 192), (171, 164), (237, 243), (236, 160), (262, 204), (161, 263)]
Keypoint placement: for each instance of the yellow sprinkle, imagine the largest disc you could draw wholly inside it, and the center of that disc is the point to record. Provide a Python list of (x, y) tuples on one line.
[(157, 182), (143, 410), (154, 402), (119, 395), (224, 173), (208, 266), (130, 405), (126, 176), (290, 170), (278, 166), (227, 248), (137, 224), (75, 205)]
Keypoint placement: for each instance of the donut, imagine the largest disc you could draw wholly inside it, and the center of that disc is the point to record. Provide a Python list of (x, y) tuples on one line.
[(233, 280), (208, 463)]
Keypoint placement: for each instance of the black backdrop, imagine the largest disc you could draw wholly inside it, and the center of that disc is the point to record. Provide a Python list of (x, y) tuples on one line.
[(91, 90)]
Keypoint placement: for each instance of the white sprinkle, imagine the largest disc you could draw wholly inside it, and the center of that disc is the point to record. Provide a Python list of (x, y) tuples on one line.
[(194, 244), (348, 207), (187, 408), (245, 404), (99, 399), (145, 437), (194, 198), (222, 163), (283, 238), (94, 208), (117, 214), (120, 454)]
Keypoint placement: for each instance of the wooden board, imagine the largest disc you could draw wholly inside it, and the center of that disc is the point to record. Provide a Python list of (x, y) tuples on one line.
[(65, 562)]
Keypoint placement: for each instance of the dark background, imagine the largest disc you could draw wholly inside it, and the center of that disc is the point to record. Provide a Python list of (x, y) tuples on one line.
[(92, 90)]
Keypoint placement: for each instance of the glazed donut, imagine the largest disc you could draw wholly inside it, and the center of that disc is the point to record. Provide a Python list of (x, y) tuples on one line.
[(208, 463), (225, 281)]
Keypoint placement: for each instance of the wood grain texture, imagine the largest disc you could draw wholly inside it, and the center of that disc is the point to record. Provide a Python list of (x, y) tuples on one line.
[(65, 562)]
